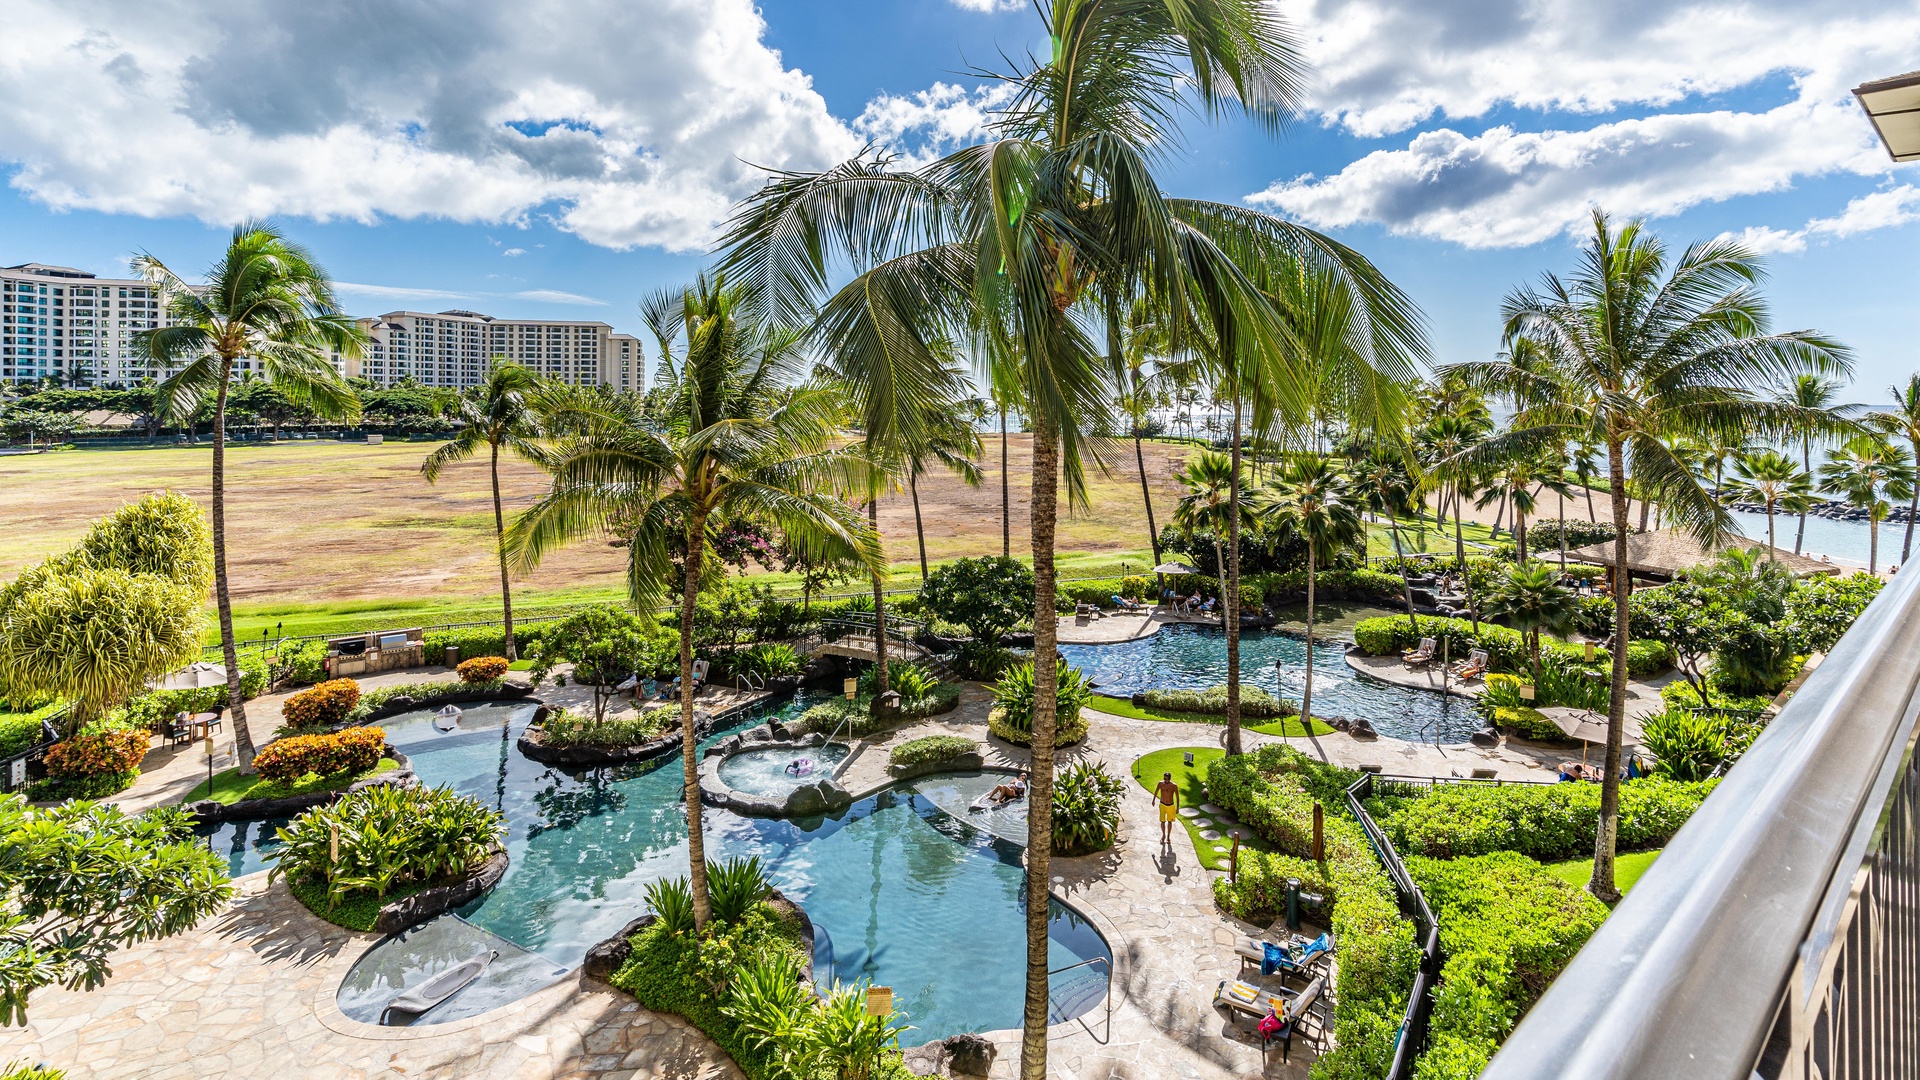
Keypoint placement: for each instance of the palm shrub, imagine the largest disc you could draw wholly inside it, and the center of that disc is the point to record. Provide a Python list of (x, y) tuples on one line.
[(1086, 809), (1688, 745), (911, 681), (929, 749), (389, 838), (737, 887), (1013, 697), (672, 902), (768, 660)]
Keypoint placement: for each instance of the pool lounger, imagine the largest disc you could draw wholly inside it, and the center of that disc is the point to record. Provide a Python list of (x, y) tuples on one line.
[(1313, 957), (421, 998)]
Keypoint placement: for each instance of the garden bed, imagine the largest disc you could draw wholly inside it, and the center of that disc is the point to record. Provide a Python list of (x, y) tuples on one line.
[(456, 694), (406, 907), (534, 746), (213, 810), (1290, 725)]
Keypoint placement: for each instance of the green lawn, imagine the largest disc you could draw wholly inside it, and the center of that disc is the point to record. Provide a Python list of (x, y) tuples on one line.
[(1424, 535), (1193, 792), (230, 787), (1627, 868), (1123, 707)]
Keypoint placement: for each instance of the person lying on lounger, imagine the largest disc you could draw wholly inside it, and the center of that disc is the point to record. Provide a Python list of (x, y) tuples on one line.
[(1011, 791)]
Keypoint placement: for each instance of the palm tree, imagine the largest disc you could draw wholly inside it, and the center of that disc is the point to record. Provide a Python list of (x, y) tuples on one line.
[(1382, 484), (1771, 478), (1815, 399), (1862, 470), (1209, 506), (1519, 481), (722, 438), (1145, 339), (1013, 244), (1633, 350), (498, 414), (951, 443), (1903, 422), (1530, 597), (1311, 501), (1450, 441), (269, 303)]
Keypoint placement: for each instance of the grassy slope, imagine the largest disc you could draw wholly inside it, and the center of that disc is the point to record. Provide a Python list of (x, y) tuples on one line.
[(1627, 868), (230, 787), (1193, 792)]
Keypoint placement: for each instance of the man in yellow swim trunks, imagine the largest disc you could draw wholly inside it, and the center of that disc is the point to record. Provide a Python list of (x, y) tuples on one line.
[(1167, 794)]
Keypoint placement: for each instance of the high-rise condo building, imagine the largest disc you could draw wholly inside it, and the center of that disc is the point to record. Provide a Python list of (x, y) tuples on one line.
[(452, 348), (58, 321)]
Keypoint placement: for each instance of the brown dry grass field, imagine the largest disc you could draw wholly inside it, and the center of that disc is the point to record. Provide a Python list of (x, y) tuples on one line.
[(341, 525)]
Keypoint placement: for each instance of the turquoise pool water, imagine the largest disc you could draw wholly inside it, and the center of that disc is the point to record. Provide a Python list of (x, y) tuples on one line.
[(766, 772), (1195, 657), (901, 893)]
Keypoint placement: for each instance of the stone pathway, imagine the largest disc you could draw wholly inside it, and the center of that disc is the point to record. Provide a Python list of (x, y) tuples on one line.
[(249, 994)]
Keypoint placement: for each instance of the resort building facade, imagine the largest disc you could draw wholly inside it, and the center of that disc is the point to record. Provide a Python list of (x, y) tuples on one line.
[(452, 348), (67, 323)]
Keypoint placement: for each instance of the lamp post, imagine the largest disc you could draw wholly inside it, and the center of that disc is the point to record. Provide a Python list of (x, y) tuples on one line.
[(1894, 107)]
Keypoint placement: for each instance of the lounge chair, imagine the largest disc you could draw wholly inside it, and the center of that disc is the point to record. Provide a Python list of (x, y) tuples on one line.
[(1313, 956), (1292, 1007), (1127, 605), (1474, 666), (1421, 655)]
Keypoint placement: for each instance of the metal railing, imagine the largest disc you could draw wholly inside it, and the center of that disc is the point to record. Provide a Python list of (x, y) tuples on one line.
[(1079, 1018), (1413, 904), (1778, 935)]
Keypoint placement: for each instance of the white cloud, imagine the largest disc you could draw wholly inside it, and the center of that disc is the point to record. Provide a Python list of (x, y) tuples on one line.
[(1880, 210), (1505, 188), (555, 296), (513, 253), (1383, 66), (395, 292), (930, 122), (627, 122), (990, 5)]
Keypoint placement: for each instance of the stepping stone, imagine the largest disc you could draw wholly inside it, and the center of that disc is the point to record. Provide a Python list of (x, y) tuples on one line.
[(1241, 832), (1212, 809), (1189, 811), (1209, 834)]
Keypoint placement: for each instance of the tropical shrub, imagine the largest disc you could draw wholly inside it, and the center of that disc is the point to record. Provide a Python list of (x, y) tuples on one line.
[(1361, 584), (1507, 929), (1544, 535), (475, 641), (672, 902), (83, 880), (1086, 809), (156, 709), (767, 660), (1012, 716), (1255, 703), (564, 727), (106, 753), (855, 717), (389, 838), (20, 1070), (1688, 745), (605, 644), (930, 749), (983, 660), (304, 663), (1548, 822), (911, 681), (988, 596), (352, 750), (736, 887), (419, 695), (330, 702), (1821, 608), (1384, 635), (482, 669)]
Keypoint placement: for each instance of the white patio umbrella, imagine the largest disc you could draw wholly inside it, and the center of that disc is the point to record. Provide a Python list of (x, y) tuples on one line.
[(1584, 724), (195, 677), (1175, 568)]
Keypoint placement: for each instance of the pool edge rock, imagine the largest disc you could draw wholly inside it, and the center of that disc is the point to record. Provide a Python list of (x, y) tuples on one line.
[(425, 904), (210, 812), (823, 796), (609, 956)]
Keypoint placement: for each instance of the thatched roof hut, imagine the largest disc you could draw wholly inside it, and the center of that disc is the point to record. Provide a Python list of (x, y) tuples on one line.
[(1667, 552)]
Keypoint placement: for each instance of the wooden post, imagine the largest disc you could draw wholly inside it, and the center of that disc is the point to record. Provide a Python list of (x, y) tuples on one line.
[(1319, 834)]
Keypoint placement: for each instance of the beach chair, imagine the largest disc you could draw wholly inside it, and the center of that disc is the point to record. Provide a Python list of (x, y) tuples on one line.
[(1474, 666), (1422, 655), (1307, 962), (1293, 1008)]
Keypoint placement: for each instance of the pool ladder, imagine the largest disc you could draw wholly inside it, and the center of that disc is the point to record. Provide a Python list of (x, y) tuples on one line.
[(1109, 995)]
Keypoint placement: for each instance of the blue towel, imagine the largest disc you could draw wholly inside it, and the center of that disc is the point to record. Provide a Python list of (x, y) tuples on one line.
[(1274, 959)]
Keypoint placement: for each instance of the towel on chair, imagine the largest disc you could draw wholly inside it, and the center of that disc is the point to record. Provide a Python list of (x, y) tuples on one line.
[(1274, 959)]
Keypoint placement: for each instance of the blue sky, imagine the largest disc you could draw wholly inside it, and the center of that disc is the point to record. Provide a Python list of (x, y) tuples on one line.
[(560, 159)]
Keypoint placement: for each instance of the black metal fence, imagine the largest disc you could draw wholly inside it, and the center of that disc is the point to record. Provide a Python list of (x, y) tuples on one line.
[(1413, 904)]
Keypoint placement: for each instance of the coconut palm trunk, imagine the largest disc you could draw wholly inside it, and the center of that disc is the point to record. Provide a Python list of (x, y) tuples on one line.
[(919, 528), (689, 737), (222, 598), (1306, 694), (1601, 885), (1406, 586), (1806, 466), (1046, 496), (1146, 497), (879, 612), (500, 548), (1006, 493), (1230, 602)]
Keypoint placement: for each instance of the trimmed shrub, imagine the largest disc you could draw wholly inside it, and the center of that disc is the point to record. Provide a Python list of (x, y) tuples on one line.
[(1548, 822), (355, 749), (1368, 586), (482, 669), (100, 754), (305, 663), (475, 641), (1255, 703), (563, 727), (330, 702), (1507, 928), (930, 749)]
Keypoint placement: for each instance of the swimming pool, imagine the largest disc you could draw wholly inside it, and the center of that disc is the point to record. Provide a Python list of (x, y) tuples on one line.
[(901, 892), (1195, 658), (778, 770)]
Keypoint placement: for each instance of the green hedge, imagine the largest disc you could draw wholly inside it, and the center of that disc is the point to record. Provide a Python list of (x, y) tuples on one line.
[(1507, 928), (475, 641), (931, 748), (1272, 790), (1507, 648), (1255, 703), (1548, 822), (1367, 586)]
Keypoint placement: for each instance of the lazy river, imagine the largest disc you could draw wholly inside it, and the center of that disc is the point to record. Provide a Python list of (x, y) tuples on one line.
[(902, 893)]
